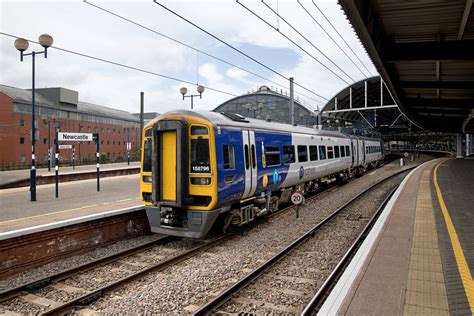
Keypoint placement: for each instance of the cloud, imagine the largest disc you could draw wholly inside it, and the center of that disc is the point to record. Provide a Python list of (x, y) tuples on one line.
[(236, 73), (83, 28)]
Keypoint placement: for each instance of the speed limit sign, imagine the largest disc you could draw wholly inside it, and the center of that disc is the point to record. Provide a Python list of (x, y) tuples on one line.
[(297, 198)]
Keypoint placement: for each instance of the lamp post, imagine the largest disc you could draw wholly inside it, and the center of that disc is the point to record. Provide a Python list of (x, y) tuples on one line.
[(49, 141), (22, 44), (128, 146), (184, 90)]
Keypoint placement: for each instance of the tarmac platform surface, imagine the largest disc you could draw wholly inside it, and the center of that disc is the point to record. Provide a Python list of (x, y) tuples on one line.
[(76, 199), (420, 260)]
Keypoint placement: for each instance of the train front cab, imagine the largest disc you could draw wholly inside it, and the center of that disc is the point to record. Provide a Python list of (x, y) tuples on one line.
[(180, 188)]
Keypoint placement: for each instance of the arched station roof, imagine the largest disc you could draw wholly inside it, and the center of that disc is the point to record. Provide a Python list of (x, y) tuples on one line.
[(267, 104), (366, 104)]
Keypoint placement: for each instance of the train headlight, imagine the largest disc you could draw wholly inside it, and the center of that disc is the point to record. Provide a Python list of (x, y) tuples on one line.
[(200, 181), (147, 179)]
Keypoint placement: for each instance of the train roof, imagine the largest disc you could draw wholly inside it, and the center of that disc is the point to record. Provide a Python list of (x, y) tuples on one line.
[(230, 119)]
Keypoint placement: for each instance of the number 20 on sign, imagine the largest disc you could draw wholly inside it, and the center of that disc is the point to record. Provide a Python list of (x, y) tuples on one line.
[(297, 198)]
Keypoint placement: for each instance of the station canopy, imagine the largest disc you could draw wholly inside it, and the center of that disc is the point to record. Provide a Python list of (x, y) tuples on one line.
[(424, 51)]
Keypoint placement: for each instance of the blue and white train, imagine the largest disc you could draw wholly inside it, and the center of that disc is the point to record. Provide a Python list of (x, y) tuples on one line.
[(203, 170)]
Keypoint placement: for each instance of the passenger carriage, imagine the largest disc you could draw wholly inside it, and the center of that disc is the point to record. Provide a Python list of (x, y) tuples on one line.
[(202, 169)]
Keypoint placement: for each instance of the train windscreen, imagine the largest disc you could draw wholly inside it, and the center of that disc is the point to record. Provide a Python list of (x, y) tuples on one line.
[(147, 155), (200, 160)]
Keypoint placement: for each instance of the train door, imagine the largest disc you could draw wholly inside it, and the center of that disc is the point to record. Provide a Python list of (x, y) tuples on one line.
[(250, 163), (169, 166), (363, 151), (169, 162), (352, 153)]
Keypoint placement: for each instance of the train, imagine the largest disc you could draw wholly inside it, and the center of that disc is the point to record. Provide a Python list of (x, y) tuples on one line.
[(205, 171)]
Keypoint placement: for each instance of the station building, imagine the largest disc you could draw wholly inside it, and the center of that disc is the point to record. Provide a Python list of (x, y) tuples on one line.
[(61, 108), (270, 105)]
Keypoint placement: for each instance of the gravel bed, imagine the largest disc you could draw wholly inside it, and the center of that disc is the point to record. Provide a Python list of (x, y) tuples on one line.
[(240, 309), (180, 288), (274, 297), (51, 293), (103, 275), (331, 242), (61, 265), (22, 307), (273, 280)]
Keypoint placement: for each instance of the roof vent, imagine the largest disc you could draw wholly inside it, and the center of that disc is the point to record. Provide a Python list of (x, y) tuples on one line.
[(234, 117), (60, 95)]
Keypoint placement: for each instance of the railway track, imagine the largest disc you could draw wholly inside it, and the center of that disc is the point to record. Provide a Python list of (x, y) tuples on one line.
[(82, 297), (33, 289), (311, 264)]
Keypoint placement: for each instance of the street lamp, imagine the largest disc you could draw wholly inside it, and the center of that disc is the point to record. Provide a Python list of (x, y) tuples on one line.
[(46, 120), (184, 90), (22, 44)]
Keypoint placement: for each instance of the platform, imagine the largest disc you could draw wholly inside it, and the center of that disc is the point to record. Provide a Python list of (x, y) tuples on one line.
[(76, 200), (419, 258), (15, 176)]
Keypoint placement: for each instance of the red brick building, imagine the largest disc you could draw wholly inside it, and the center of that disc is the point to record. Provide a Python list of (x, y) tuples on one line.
[(60, 107)]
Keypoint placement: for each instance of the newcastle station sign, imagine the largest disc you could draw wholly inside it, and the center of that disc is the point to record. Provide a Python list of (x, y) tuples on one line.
[(75, 137)]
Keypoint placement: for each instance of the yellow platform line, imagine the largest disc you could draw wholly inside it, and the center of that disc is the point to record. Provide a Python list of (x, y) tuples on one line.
[(464, 271)]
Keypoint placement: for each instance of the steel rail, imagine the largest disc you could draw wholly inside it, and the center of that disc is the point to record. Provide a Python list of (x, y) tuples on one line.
[(320, 296), (225, 295), (95, 294), (44, 281)]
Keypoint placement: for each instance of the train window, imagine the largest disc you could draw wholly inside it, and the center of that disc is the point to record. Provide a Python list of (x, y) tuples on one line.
[(313, 153), (348, 151), (289, 154), (272, 156), (229, 156), (330, 152), (254, 159), (148, 132), (246, 156), (336, 151), (198, 130), (302, 153), (147, 155), (200, 160), (322, 152), (343, 153)]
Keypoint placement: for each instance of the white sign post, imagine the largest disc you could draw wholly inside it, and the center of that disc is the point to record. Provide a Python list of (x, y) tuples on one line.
[(75, 137)]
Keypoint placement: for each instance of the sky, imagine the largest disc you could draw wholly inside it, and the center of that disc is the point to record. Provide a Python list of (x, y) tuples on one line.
[(81, 27)]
